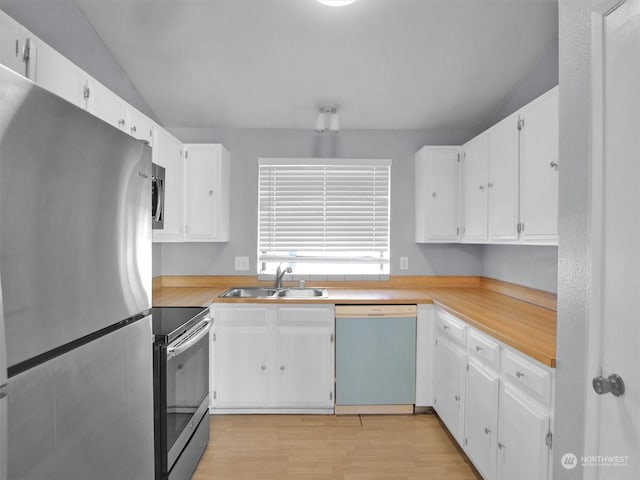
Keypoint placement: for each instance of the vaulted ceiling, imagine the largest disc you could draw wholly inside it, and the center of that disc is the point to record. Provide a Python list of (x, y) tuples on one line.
[(387, 64)]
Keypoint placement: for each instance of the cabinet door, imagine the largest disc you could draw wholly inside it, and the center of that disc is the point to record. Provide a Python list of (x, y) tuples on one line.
[(167, 152), (305, 366), (475, 178), (448, 386), (481, 418), (436, 191), (206, 195), (140, 126), (503, 180), (242, 364), (522, 432), (10, 43), (539, 170), (58, 75), (105, 104)]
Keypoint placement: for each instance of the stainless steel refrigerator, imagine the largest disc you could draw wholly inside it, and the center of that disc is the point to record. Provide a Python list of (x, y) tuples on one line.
[(75, 272)]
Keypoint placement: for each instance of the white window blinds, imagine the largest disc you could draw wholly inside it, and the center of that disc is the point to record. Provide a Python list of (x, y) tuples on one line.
[(321, 211)]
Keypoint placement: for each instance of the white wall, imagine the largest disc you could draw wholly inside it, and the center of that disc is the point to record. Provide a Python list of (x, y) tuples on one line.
[(574, 258)]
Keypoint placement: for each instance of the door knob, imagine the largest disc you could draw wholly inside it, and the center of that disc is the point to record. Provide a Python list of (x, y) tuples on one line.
[(613, 384)]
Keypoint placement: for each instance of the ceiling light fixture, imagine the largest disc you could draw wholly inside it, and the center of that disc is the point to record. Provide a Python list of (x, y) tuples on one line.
[(334, 119), (336, 3)]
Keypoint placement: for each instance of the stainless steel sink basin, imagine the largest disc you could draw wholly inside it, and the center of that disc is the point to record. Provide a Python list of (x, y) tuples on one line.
[(265, 292), (249, 292), (302, 293)]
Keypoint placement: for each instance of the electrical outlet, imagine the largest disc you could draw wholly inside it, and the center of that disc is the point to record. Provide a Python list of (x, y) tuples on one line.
[(404, 263), (242, 264)]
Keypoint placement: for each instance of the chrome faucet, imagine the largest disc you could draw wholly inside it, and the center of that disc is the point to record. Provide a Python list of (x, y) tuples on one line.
[(279, 274)]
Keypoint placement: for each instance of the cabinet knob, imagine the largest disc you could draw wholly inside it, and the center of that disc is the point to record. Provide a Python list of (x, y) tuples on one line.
[(282, 368), (457, 397), (554, 165), (519, 374), (133, 129), (121, 121), (210, 192), (490, 184), (487, 431), (263, 367), (501, 445), (478, 348), (481, 188), (434, 195)]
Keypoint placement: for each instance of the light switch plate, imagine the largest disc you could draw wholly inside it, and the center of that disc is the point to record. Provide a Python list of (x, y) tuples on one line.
[(242, 264), (404, 263)]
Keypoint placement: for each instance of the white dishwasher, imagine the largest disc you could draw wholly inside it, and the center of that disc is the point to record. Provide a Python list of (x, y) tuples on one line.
[(375, 359)]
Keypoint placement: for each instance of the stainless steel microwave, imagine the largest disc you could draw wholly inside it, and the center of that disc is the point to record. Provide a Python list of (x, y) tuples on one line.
[(157, 196)]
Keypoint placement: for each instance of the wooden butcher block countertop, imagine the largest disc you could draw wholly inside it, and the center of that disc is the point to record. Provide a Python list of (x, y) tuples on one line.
[(522, 318)]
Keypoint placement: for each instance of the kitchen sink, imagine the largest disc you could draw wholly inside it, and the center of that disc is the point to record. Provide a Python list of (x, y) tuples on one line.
[(249, 292), (265, 292), (302, 293)]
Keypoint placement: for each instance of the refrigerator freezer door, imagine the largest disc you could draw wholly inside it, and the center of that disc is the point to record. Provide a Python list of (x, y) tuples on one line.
[(87, 414), (75, 204)]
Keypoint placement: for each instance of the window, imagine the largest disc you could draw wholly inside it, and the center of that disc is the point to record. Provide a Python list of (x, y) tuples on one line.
[(324, 216)]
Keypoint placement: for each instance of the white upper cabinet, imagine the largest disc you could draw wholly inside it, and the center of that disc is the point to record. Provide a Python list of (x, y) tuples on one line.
[(207, 196), (436, 194), (11, 43), (539, 170), (58, 74), (105, 104), (168, 153), (503, 180), (475, 173)]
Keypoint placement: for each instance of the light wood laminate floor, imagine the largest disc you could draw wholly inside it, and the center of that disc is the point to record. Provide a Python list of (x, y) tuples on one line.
[(314, 447)]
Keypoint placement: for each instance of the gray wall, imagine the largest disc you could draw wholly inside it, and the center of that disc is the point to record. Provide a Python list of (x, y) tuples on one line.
[(574, 258), (531, 266), (246, 145)]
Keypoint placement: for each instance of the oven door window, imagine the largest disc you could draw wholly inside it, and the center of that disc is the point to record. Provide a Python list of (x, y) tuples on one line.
[(187, 377)]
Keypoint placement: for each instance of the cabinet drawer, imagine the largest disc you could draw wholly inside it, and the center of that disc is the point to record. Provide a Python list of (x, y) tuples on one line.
[(482, 347), (451, 327), (524, 373)]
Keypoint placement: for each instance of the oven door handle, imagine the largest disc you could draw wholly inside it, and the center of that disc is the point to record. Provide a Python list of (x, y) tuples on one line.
[(190, 338)]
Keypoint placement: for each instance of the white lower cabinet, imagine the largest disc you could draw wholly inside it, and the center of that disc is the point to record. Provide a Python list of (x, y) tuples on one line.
[(269, 358), (481, 418), (241, 337), (448, 385), (495, 401), (523, 431)]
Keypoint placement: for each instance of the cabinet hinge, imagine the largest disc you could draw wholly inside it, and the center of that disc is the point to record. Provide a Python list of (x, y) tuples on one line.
[(186, 154), (214, 394), (214, 337), (436, 341), (186, 229), (330, 395), (331, 338), (458, 158), (435, 401), (467, 367), (520, 124), (17, 47), (458, 231), (549, 440), (520, 227), (26, 52), (465, 441), (86, 92)]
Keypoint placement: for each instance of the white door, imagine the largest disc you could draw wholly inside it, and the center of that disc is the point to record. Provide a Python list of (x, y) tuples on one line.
[(613, 422), (242, 366), (202, 174), (304, 370), (539, 166), (448, 384), (441, 191), (503, 180), (522, 432), (105, 104), (481, 418), (475, 175), (167, 152)]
